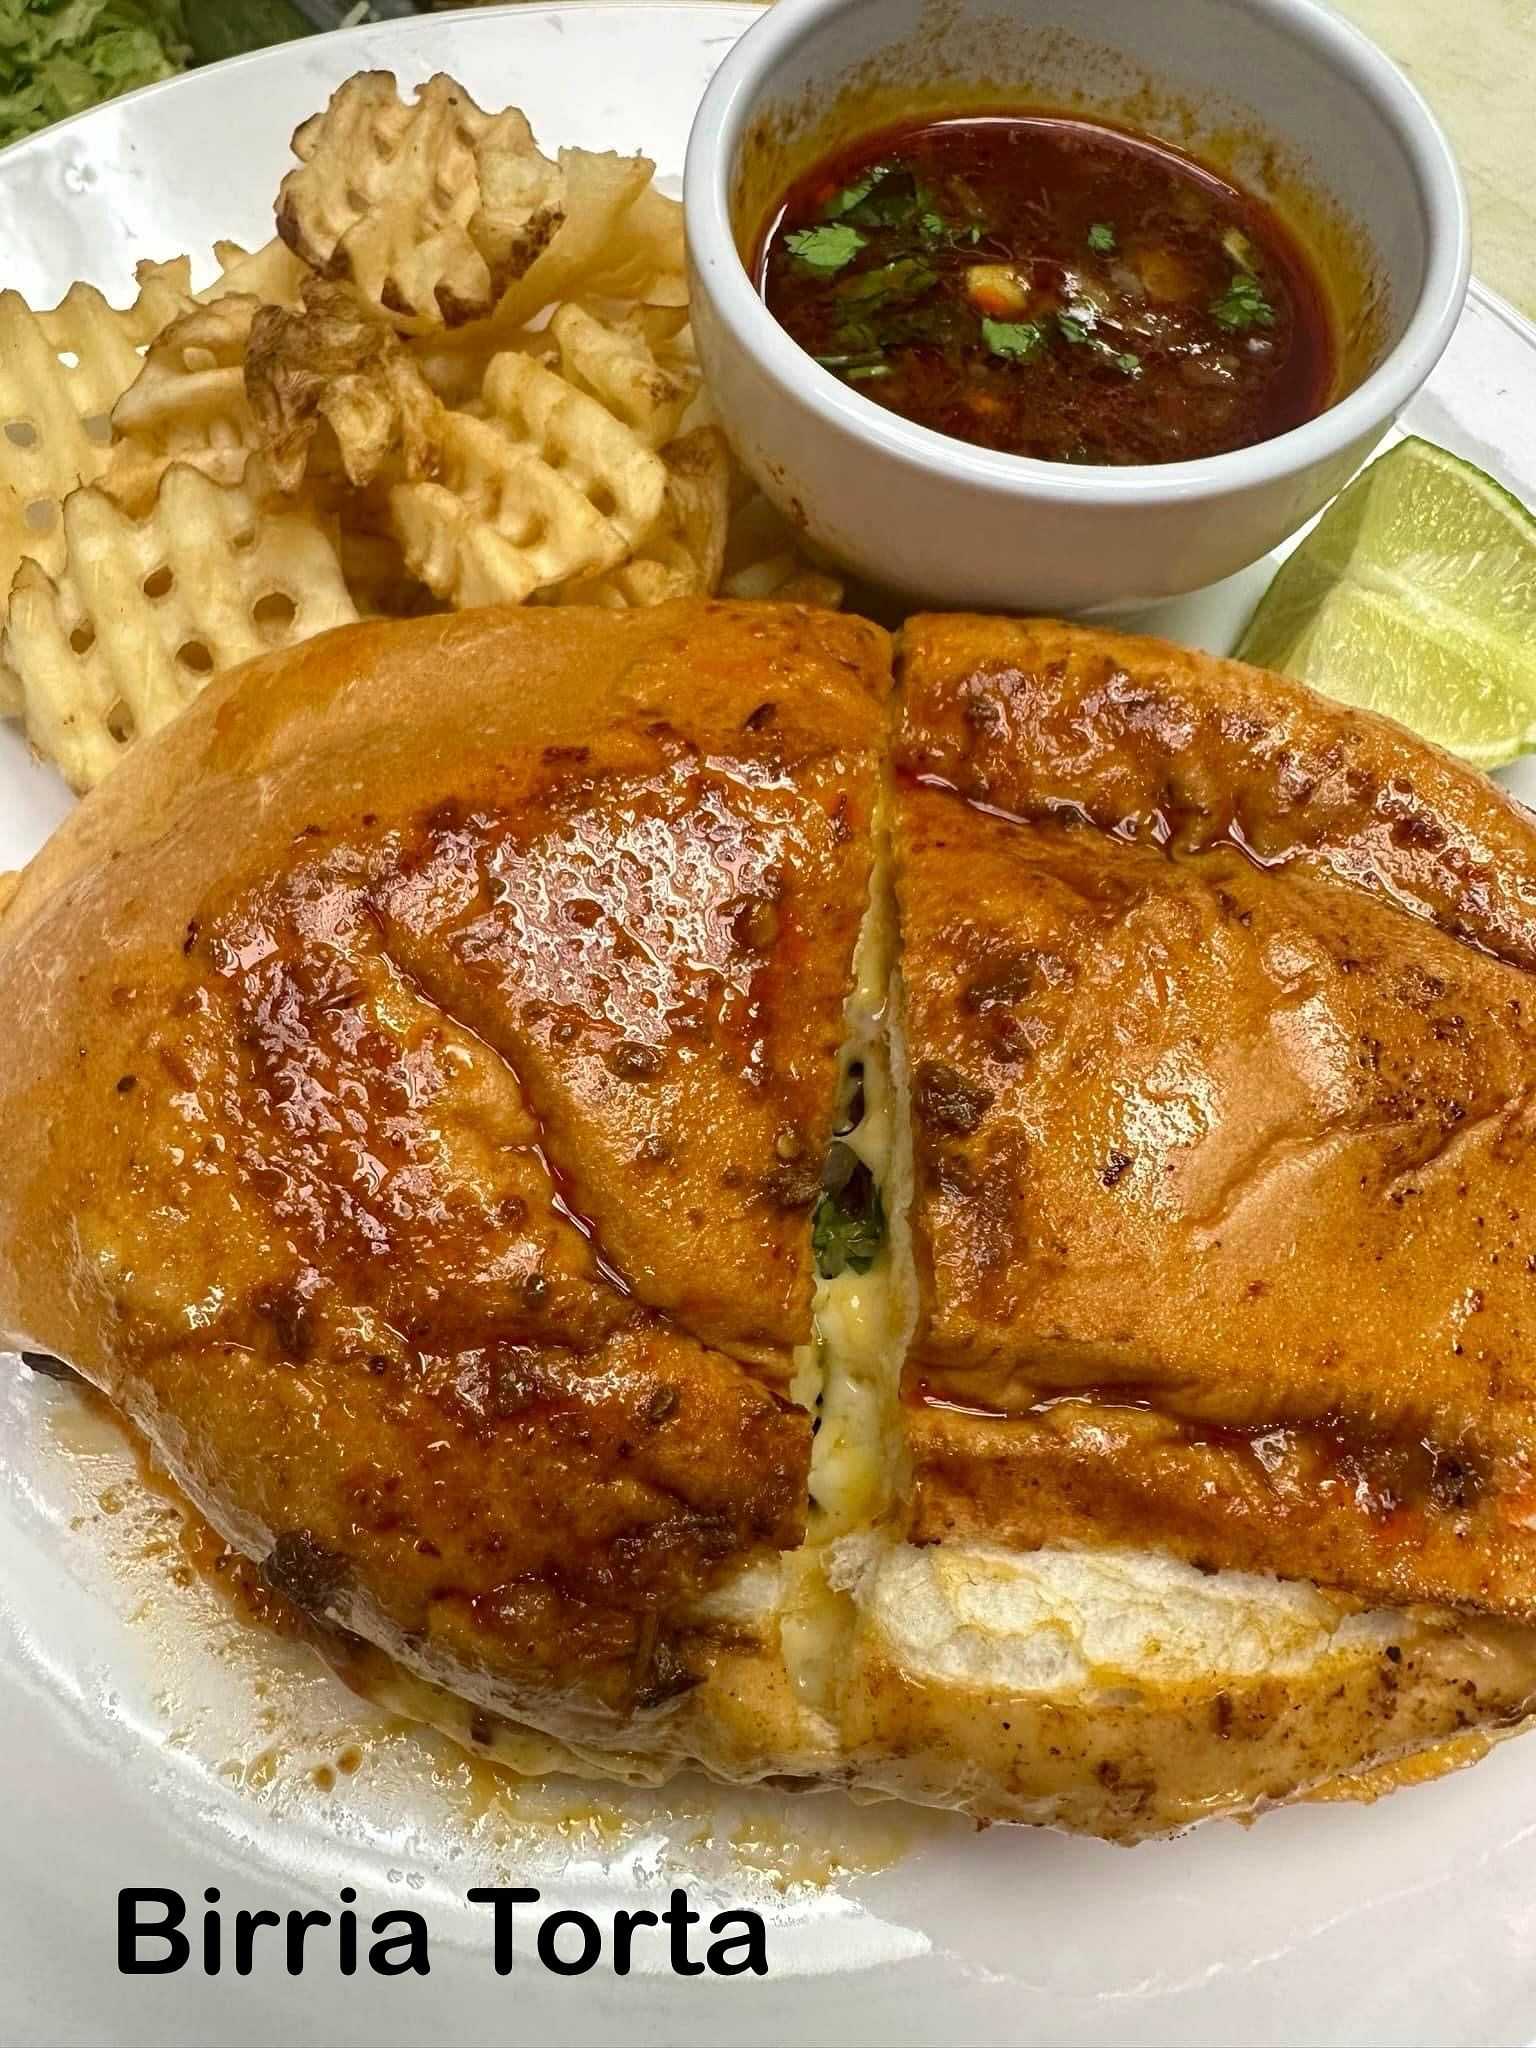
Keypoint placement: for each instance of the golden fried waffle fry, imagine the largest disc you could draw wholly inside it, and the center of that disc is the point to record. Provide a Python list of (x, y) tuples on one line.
[(786, 578), (684, 556), (272, 273), (601, 192), (469, 367), (431, 208), (616, 364), (501, 525), (454, 362), (334, 363), (646, 260), (546, 487), (61, 373), (372, 561), (187, 404), (144, 611), (664, 329)]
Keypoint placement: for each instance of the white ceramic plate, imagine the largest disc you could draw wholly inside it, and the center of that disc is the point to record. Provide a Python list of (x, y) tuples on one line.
[(149, 1739)]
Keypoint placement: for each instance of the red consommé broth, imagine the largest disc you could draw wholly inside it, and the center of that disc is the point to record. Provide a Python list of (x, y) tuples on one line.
[(1051, 286)]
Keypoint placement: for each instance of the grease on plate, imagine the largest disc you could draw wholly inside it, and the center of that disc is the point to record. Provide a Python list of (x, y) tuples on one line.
[(246, 1696)]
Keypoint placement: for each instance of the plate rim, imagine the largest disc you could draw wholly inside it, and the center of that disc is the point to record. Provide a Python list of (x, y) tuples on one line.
[(403, 28)]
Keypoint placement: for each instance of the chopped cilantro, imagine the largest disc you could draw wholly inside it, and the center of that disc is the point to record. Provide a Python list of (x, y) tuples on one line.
[(825, 248), (857, 369), (1017, 341), (1101, 237), (892, 199), (850, 195), (858, 336), (1077, 327), (1243, 303), (908, 277)]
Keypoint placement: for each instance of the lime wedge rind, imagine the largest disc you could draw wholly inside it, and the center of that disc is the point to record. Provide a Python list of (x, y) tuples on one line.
[(1415, 596)]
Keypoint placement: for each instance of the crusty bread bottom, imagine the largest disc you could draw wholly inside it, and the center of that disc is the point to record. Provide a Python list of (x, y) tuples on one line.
[(1112, 1692)]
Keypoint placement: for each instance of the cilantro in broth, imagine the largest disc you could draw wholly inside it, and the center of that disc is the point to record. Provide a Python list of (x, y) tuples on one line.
[(896, 283), (825, 248), (1243, 304), (844, 201), (1101, 238), (1078, 329), (892, 199), (882, 243), (1017, 341)]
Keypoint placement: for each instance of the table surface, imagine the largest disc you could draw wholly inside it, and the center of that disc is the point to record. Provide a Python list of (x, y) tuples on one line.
[(1475, 62)]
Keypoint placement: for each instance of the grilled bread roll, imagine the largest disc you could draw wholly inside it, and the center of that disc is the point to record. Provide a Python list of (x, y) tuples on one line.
[(972, 1249)]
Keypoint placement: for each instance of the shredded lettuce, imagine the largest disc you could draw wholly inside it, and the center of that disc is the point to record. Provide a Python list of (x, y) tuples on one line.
[(58, 57)]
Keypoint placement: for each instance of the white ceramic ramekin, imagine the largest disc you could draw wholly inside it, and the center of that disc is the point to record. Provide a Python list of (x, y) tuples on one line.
[(1316, 110)]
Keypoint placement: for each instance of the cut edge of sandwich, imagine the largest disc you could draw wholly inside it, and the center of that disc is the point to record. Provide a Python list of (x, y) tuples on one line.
[(849, 1375)]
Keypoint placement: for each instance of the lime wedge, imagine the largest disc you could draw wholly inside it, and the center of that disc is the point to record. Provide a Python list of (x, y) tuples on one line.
[(1415, 595)]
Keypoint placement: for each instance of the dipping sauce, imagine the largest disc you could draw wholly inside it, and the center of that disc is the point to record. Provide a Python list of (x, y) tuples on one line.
[(1053, 287)]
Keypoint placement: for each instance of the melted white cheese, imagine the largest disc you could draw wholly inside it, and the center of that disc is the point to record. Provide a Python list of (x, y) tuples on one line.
[(850, 1375)]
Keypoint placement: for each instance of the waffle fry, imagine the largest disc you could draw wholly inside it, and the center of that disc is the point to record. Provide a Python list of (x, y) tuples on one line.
[(684, 556), (430, 208), (144, 611), (272, 273), (61, 373), (548, 486), (646, 261), (617, 365), (601, 192), (460, 373), (187, 404), (454, 362), (333, 364)]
